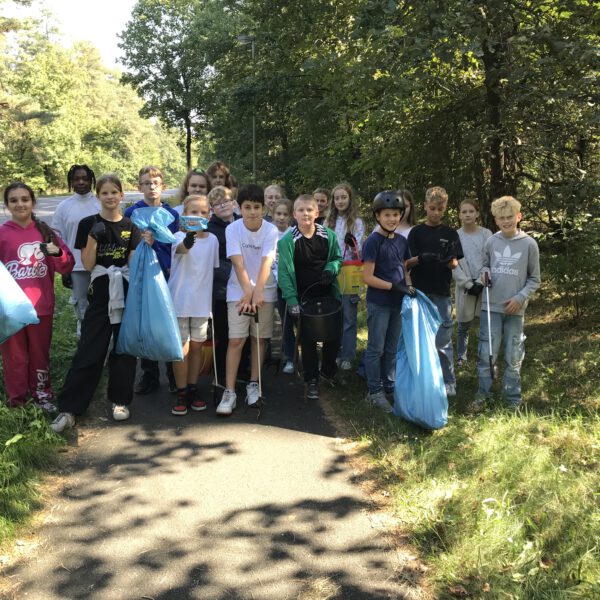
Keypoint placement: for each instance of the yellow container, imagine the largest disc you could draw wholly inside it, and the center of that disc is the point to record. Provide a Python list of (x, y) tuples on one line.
[(350, 278)]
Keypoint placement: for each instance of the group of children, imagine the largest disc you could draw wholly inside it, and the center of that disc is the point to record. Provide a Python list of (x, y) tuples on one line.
[(258, 251)]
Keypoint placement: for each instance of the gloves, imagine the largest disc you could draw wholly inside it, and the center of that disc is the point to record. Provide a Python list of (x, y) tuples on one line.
[(98, 232), (189, 239), (67, 281), (407, 290), (350, 240), (428, 258), (326, 277), (294, 310), (475, 289), (50, 249)]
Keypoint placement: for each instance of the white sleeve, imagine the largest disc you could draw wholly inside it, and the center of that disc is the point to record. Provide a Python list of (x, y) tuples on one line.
[(58, 221), (232, 239), (269, 247), (359, 228), (215, 246)]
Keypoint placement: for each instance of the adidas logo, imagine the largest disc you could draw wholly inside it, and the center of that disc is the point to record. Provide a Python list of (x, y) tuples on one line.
[(506, 259)]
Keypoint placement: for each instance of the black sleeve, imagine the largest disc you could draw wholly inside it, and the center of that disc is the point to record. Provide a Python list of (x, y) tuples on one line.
[(413, 244), (136, 237), (458, 251), (83, 230)]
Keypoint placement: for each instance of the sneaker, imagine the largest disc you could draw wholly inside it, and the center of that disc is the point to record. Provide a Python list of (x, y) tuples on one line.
[(514, 407), (179, 404), (378, 400), (288, 368), (120, 412), (198, 405), (345, 365), (252, 393), (477, 405), (46, 406), (389, 394), (64, 421), (312, 390), (146, 385), (227, 404), (450, 389)]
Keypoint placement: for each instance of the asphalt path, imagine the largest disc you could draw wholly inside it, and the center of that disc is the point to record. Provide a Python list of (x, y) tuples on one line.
[(164, 507)]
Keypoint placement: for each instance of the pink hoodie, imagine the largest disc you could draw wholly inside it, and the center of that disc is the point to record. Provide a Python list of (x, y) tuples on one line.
[(34, 272)]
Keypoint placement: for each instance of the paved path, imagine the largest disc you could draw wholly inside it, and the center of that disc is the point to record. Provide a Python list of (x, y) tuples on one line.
[(164, 507)]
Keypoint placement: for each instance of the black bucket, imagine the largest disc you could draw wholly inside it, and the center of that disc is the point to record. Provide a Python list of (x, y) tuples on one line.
[(321, 319)]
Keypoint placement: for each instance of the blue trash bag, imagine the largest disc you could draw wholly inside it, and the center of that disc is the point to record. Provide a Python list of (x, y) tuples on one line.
[(16, 309), (149, 327), (420, 393)]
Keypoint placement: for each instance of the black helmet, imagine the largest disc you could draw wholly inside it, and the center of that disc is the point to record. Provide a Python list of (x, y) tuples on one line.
[(389, 199)]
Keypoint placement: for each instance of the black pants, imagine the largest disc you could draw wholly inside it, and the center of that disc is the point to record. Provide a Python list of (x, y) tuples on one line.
[(310, 358), (86, 369), (150, 369)]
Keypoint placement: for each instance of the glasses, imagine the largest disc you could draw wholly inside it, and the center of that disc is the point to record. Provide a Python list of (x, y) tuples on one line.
[(151, 184), (221, 204)]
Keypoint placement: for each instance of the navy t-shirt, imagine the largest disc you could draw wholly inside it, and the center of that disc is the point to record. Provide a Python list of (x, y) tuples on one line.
[(388, 254)]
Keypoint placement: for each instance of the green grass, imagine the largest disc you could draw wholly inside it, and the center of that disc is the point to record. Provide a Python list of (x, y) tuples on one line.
[(502, 505), (27, 446)]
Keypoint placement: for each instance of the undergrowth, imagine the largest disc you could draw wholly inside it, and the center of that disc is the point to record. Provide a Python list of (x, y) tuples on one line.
[(501, 505)]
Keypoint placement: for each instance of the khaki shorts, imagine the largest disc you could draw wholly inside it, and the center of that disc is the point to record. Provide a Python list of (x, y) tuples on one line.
[(193, 328), (240, 326)]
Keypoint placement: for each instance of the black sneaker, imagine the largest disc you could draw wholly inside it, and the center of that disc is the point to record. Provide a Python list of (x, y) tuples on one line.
[(146, 385), (312, 390)]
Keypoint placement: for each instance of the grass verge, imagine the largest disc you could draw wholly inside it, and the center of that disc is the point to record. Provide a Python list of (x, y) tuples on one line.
[(27, 446), (501, 505)]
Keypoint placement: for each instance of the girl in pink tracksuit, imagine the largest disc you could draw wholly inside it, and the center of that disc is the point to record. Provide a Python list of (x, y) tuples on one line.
[(31, 252)]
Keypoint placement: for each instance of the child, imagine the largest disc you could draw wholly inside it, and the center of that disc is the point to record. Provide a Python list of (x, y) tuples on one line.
[(309, 255), (282, 216), (31, 252), (151, 184), (321, 195), (194, 183), (512, 262), (408, 221), (350, 230), (194, 256), (435, 250), (107, 242), (273, 194), (219, 174), (83, 203), (385, 254), (467, 293), (251, 246)]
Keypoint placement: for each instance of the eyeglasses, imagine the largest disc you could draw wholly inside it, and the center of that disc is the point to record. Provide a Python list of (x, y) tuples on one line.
[(151, 184), (221, 204)]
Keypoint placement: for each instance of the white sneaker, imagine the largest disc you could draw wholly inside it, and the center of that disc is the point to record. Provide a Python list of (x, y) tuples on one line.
[(450, 389), (64, 421), (120, 412), (288, 368), (345, 365), (378, 400), (227, 404), (252, 393)]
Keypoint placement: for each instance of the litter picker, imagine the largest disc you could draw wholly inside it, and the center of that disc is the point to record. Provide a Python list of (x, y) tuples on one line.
[(488, 285)]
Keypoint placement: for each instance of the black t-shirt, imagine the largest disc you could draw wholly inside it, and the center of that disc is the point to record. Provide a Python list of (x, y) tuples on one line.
[(310, 258), (122, 237), (433, 278)]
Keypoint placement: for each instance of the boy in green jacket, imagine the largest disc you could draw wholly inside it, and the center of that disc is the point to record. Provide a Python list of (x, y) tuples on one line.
[(309, 261)]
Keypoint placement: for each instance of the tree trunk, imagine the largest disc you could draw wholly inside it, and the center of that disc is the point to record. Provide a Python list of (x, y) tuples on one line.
[(188, 141)]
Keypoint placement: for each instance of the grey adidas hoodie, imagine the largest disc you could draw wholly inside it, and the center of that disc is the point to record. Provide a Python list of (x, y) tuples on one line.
[(514, 264)]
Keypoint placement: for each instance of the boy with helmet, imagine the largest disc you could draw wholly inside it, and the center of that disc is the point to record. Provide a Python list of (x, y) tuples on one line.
[(384, 255)]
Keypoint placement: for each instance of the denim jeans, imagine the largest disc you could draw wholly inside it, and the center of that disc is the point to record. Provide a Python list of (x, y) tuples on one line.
[(506, 329), (462, 339), (384, 324), (443, 339), (349, 331)]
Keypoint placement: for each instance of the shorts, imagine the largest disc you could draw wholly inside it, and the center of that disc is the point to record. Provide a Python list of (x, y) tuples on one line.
[(240, 326), (193, 328)]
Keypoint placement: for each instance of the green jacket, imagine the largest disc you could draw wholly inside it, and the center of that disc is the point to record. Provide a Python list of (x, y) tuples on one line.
[(287, 271)]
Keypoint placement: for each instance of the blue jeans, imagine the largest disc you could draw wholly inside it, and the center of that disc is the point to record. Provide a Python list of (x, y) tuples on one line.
[(508, 329), (384, 324), (443, 339), (462, 339), (288, 338), (349, 331)]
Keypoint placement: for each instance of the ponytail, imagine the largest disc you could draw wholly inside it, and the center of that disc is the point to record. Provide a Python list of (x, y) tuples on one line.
[(47, 232)]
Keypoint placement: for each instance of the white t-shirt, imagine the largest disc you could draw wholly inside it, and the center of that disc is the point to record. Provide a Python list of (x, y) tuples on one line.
[(191, 279), (252, 246), (66, 220)]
